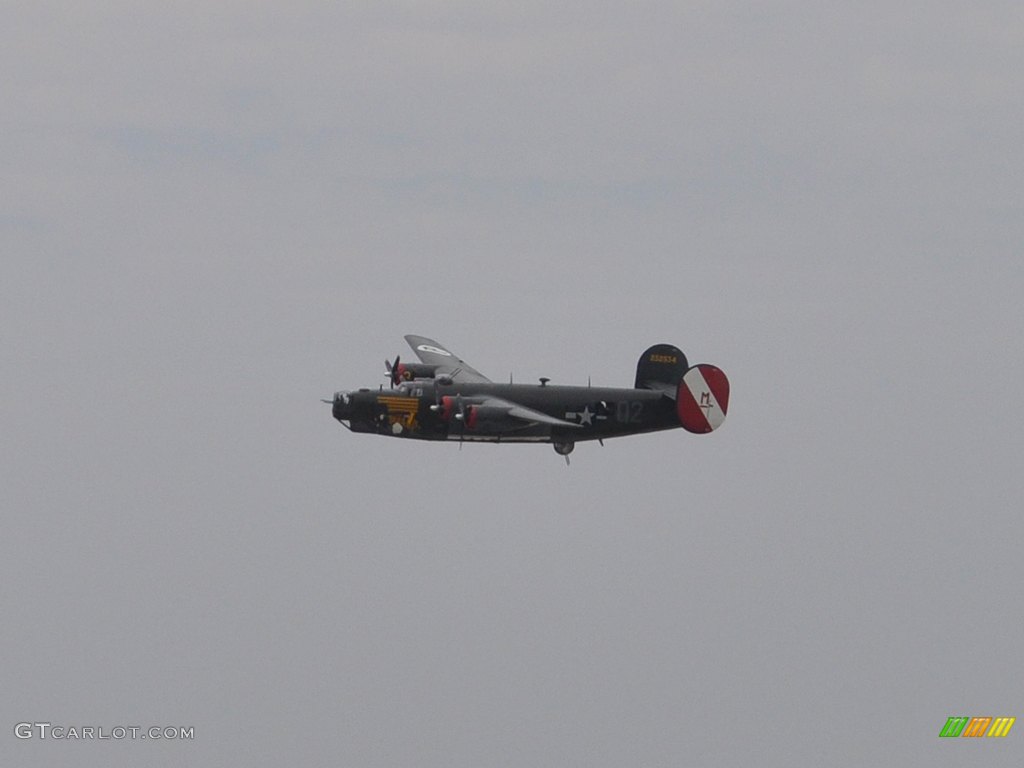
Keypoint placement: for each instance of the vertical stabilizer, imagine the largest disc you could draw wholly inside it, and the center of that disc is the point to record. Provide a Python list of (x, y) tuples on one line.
[(659, 365)]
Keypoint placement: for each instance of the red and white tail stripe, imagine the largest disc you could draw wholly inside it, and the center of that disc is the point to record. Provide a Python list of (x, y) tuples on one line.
[(702, 399)]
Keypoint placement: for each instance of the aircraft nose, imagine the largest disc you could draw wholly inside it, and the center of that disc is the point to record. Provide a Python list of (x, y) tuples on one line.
[(342, 406)]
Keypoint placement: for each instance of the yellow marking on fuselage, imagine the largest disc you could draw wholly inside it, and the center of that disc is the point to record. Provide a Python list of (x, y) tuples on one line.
[(400, 403), (401, 410)]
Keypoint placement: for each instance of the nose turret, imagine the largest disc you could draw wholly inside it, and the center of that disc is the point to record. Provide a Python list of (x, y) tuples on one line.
[(342, 410), (356, 410)]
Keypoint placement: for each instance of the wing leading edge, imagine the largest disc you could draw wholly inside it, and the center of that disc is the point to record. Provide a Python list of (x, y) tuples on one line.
[(529, 414), (448, 364)]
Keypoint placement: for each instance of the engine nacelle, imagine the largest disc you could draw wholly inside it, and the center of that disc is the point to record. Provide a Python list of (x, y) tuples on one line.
[(410, 371)]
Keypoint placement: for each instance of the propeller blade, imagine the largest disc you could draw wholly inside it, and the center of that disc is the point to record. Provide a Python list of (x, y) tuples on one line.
[(461, 416)]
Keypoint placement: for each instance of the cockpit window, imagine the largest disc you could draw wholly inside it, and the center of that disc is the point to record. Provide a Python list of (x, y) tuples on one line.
[(411, 389)]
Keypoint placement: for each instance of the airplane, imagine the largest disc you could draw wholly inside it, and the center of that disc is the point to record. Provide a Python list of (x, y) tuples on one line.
[(444, 398)]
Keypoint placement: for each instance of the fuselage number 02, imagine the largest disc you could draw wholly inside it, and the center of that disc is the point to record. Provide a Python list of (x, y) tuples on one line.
[(629, 411)]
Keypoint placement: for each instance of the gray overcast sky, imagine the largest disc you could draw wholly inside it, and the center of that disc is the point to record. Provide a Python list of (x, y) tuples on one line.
[(212, 215)]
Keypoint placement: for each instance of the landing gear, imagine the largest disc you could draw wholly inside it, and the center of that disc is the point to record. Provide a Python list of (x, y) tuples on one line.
[(564, 449)]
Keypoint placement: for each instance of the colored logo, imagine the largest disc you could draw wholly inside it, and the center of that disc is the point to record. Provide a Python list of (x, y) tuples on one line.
[(433, 350), (975, 727)]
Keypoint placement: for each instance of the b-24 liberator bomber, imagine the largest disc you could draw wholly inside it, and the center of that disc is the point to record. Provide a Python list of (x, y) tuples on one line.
[(444, 398)]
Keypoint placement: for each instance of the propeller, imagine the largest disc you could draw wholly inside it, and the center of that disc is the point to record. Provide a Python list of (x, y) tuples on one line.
[(460, 416), (438, 406), (394, 371), (451, 409)]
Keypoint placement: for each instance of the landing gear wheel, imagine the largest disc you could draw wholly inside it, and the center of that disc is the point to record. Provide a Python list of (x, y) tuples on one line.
[(564, 449)]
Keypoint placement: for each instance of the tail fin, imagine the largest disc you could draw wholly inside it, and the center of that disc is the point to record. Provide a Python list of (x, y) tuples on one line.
[(702, 399), (661, 367)]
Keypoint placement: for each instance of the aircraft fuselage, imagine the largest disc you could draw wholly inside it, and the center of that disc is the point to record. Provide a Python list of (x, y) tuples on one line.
[(429, 410), (444, 398)]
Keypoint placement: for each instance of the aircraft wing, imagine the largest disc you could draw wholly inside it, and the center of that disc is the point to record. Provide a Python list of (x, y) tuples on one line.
[(523, 413), (448, 364), (528, 414)]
